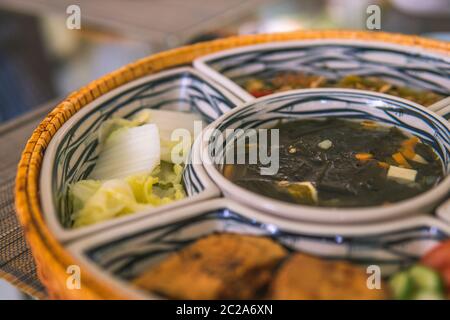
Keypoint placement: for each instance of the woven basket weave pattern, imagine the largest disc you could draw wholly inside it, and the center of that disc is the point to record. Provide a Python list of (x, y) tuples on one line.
[(51, 258)]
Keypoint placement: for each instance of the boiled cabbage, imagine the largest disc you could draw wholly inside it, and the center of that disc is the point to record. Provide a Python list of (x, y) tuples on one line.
[(127, 151), (94, 201), (134, 169)]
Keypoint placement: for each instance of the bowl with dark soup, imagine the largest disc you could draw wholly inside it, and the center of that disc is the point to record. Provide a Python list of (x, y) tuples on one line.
[(331, 155)]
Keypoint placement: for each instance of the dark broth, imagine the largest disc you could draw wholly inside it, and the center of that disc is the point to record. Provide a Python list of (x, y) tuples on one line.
[(355, 171)]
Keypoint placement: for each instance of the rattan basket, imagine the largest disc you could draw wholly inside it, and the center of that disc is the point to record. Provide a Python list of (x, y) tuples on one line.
[(51, 257)]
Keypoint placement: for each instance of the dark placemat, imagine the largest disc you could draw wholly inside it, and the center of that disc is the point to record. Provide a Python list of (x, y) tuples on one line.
[(16, 262), (17, 265)]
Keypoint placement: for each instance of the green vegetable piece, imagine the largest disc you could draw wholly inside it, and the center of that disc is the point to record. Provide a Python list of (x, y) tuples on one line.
[(426, 279), (417, 283), (95, 201), (401, 286), (428, 295)]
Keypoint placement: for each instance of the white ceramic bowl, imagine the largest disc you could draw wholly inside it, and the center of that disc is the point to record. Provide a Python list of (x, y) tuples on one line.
[(127, 251), (398, 64), (301, 104), (72, 152)]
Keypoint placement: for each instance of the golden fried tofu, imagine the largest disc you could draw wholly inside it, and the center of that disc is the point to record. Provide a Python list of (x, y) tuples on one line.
[(305, 277), (219, 266)]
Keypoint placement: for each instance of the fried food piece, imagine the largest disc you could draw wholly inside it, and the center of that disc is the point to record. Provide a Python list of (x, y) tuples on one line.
[(305, 277), (219, 266)]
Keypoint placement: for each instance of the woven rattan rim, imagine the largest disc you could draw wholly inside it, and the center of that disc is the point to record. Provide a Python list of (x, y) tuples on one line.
[(51, 258)]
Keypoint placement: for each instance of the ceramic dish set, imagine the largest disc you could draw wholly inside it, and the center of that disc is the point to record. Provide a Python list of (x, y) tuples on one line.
[(394, 236)]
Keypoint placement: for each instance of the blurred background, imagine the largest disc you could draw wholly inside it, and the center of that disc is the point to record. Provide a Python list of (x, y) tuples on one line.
[(41, 60)]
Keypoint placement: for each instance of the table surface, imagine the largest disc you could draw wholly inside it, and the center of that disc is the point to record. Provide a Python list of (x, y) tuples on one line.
[(16, 262)]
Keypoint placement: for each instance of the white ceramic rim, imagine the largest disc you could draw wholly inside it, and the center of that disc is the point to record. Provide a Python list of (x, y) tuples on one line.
[(410, 206), (77, 249), (440, 106), (46, 198), (444, 111), (202, 63)]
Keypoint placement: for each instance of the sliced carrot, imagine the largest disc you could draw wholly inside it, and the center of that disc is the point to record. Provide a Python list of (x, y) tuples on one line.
[(408, 153), (400, 159), (363, 156), (369, 124), (261, 92), (410, 143), (384, 165), (228, 171)]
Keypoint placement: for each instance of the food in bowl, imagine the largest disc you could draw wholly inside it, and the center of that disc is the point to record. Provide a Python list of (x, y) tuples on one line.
[(200, 249), (427, 280), (139, 166), (438, 259), (234, 266), (288, 80), (253, 122), (219, 266), (237, 266), (303, 277), (333, 162)]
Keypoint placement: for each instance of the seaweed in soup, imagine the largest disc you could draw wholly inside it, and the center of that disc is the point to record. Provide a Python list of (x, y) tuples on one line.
[(339, 163)]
